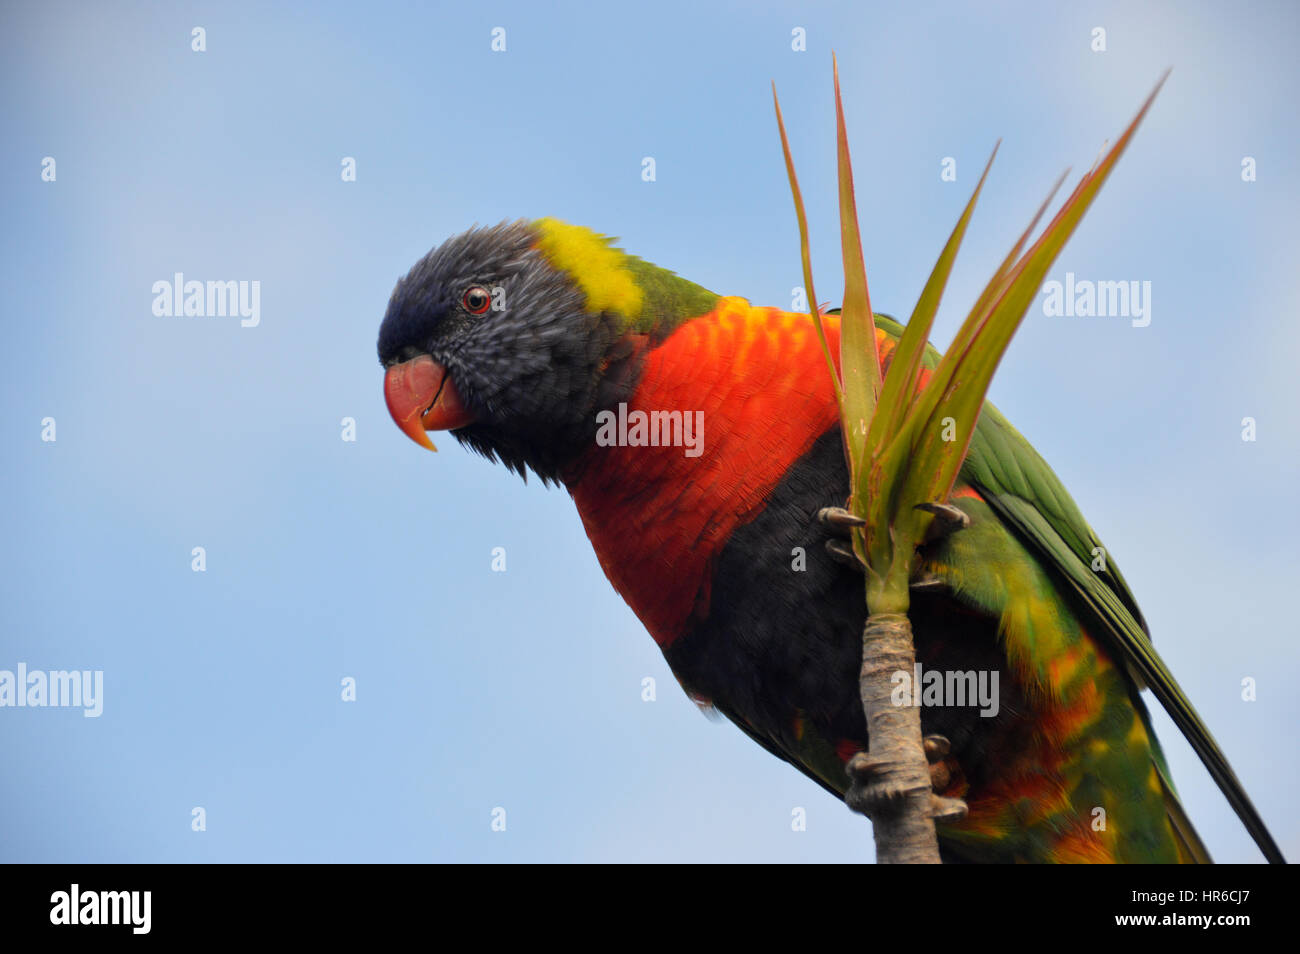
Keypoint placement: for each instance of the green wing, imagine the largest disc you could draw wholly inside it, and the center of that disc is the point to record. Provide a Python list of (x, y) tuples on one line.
[(1017, 483)]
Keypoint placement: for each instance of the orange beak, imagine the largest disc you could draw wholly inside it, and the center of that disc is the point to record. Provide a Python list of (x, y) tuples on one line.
[(422, 397)]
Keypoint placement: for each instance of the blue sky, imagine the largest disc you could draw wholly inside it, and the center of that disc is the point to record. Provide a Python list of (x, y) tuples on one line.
[(372, 559)]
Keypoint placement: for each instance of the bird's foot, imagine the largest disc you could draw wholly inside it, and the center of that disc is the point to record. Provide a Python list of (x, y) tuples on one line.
[(873, 791), (947, 519), (838, 518), (840, 524)]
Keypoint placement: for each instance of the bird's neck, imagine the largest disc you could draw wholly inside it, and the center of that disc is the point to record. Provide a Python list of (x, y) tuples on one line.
[(721, 408), (645, 298), (668, 301)]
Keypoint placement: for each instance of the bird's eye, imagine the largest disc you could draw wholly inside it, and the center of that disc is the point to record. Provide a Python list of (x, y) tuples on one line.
[(476, 299)]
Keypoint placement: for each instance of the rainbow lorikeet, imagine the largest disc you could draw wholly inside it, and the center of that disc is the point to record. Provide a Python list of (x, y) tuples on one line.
[(699, 438)]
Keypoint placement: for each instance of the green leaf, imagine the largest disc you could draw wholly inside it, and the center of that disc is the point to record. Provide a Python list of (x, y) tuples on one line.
[(859, 354), (905, 370), (805, 254)]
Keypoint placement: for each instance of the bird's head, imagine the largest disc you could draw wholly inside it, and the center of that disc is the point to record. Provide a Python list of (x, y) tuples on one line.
[(514, 337)]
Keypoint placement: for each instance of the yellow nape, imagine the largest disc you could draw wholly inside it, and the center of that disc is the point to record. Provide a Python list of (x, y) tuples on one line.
[(592, 261)]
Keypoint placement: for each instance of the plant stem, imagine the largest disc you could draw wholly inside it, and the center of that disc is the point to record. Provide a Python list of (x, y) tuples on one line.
[(904, 832)]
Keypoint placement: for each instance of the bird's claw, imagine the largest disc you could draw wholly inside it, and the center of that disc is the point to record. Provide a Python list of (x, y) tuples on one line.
[(840, 519), (947, 519), (947, 809), (842, 552), (937, 750), (841, 522), (927, 583), (936, 747), (873, 791)]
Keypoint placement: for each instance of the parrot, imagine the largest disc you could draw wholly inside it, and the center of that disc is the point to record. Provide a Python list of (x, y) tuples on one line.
[(699, 438)]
